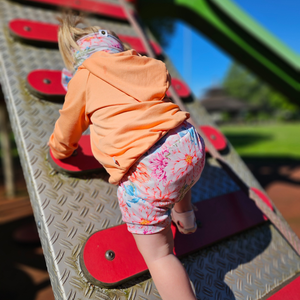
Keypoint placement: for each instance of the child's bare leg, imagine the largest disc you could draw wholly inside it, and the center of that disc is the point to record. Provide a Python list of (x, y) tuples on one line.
[(185, 204), (169, 275)]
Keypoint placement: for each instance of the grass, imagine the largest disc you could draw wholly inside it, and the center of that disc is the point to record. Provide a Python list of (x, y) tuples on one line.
[(275, 140)]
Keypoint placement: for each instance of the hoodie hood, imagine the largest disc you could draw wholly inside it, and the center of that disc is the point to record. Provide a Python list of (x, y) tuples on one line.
[(140, 77)]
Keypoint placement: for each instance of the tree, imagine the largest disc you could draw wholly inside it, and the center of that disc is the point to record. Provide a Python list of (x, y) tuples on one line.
[(242, 84)]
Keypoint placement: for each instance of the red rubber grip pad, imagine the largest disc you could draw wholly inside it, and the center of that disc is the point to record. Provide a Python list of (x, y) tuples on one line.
[(46, 82), (182, 89), (289, 292), (45, 32), (221, 217), (264, 198), (96, 7), (217, 139), (33, 30), (83, 161)]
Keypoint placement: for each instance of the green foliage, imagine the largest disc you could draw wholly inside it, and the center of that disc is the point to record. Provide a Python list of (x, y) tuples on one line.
[(226, 116), (242, 84)]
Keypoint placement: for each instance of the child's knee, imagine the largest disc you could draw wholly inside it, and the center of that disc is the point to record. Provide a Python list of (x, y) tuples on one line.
[(155, 246)]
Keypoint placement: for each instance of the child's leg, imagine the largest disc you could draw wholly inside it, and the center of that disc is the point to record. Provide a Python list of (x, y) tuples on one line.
[(166, 270), (185, 204)]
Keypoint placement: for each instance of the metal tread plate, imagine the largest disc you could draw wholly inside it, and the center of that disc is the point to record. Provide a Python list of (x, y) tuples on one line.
[(68, 210)]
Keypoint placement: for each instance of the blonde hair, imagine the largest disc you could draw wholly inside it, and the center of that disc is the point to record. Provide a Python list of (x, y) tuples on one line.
[(69, 33)]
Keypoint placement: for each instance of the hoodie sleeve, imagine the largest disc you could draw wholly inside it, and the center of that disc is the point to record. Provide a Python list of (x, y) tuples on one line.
[(73, 120)]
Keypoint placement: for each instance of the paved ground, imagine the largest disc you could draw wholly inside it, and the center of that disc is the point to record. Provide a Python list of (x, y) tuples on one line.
[(281, 180), (23, 271)]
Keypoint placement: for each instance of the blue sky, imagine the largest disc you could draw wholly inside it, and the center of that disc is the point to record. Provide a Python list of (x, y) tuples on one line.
[(208, 64)]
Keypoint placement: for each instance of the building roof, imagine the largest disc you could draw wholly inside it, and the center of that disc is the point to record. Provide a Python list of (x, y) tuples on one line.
[(216, 99)]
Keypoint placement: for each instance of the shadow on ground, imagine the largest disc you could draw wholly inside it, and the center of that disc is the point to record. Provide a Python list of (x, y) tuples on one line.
[(270, 169), (23, 269), (246, 139)]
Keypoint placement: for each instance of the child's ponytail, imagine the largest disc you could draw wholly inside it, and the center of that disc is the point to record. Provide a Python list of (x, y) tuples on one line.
[(67, 38), (69, 33)]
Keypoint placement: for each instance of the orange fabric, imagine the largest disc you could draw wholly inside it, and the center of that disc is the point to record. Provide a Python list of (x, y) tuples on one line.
[(122, 97)]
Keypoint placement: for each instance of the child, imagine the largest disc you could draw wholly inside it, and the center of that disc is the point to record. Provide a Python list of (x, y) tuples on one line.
[(140, 137)]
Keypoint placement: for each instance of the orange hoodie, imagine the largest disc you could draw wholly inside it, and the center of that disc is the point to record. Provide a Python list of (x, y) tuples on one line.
[(122, 97)]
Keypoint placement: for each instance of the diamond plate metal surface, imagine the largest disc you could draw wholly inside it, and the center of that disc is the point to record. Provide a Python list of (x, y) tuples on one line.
[(213, 182), (246, 266), (69, 210)]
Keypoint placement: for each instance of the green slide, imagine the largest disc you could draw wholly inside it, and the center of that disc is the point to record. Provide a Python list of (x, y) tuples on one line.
[(239, 35)]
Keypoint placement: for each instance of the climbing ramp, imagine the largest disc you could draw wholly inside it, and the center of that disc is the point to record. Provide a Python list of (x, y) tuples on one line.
[(237, 253)]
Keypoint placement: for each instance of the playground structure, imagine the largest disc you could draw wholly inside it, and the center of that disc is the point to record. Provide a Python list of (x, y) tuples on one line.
[(255, 258), (240, 36)]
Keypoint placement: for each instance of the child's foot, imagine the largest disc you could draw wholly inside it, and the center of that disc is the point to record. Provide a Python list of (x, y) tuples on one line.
[(185, 221)]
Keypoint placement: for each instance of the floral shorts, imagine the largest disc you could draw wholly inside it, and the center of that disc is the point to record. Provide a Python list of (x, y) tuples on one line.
[(160, 178)]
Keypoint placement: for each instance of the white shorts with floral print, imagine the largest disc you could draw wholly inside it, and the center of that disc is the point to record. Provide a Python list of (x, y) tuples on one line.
[(160, 178)]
